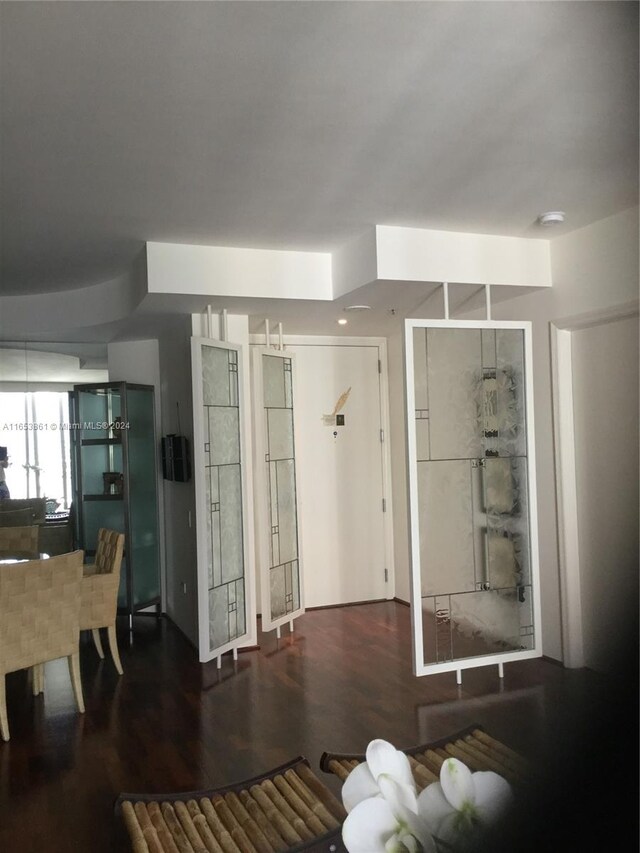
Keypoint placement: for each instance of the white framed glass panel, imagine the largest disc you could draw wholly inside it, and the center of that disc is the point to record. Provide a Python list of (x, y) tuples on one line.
[(475, 587), (276, 488), (225, 599)]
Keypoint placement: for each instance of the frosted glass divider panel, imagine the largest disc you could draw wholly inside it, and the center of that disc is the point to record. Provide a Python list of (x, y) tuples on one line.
[(434, 614), (276, 494), (226, 565)]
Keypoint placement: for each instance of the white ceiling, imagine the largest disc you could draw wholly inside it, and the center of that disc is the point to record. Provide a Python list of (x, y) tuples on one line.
[(299, 125)]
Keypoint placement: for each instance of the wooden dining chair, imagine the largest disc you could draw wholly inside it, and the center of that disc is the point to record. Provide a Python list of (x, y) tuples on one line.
[(40, 621), (19, 543), (100, 585)]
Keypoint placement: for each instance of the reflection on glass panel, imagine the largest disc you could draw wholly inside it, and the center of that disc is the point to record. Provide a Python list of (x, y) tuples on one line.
[(224, 429), (231, 523), (287, 524), (448, 390), (277, 588), (472, 484), (446, 527), (273, 382), (280, 433), (507, 519), (512, 427), (215, 376), (218, 616)]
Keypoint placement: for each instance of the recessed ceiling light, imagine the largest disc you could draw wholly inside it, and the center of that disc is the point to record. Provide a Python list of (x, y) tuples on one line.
[(552, 217), (358, 308), (342, 321)]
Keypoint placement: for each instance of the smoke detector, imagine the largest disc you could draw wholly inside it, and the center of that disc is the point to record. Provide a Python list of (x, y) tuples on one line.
[(552, 217)]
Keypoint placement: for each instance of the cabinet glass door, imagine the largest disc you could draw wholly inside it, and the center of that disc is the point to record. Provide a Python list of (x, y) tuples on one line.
[(101, 486), (278, 547), (226, 611), (475, 594)]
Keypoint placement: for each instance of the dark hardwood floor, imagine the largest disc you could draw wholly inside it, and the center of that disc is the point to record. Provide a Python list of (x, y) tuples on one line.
[(171, 724)]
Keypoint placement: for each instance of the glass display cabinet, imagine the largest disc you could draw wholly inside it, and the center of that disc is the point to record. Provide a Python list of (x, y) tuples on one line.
[(474, 550), (115, 482)]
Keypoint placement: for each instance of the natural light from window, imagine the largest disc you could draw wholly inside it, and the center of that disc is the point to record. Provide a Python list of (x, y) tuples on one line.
[(34, 429)]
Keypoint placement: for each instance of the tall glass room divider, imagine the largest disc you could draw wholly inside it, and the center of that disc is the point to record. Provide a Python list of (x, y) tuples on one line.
[(276, 489), (226, 605), (475, 594)]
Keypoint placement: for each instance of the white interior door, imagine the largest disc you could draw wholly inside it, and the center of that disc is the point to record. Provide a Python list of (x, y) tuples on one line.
[(340, 473)]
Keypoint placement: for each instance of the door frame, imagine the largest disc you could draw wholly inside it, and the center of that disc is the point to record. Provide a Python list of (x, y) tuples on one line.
[(561, 333), (383, 385), (419, 666)]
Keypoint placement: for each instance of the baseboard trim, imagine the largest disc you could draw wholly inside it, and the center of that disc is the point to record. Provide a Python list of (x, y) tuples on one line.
[(553, 661), (401, 601), (346, 604)]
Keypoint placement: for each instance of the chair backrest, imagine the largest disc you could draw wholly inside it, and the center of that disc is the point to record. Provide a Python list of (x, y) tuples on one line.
[(20, 542), (39, 610), (109, 551), (22, 512)]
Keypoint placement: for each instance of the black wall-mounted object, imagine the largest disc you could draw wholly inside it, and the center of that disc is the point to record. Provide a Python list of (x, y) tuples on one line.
[(176, 462)]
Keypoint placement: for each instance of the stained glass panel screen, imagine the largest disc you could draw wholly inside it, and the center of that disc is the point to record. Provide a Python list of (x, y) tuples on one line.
[(284, 565), (224, 495), (472, 485)]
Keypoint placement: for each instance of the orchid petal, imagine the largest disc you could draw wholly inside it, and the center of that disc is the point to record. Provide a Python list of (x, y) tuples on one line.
[(493, 795), (401, 797), (418, 829), (454, 829), (359, 786), (382, 757), (369, 827), (433, 806), (457, 783)]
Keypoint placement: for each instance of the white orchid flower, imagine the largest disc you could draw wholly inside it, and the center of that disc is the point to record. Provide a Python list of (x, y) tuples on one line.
[(380, 796), (462, 801)]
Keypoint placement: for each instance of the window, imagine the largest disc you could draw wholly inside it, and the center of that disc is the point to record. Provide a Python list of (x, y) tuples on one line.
[(33, 427)]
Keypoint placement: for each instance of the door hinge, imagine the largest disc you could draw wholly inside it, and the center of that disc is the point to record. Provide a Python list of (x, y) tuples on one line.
[(381, 436), (384, 504), (386, 576)]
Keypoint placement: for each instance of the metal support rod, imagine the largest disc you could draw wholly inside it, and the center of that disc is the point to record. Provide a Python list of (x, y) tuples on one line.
[(209, 322), (219, 661), (487, 296), (445, 295), (291, 627), (267, 334), (500, 670), (280, 342), (278, 632), (224, 332), (235, 653), (458, 676)]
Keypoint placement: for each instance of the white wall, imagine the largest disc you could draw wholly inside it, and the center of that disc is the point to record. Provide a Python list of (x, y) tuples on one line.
[(593, 268), (605, 394)]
